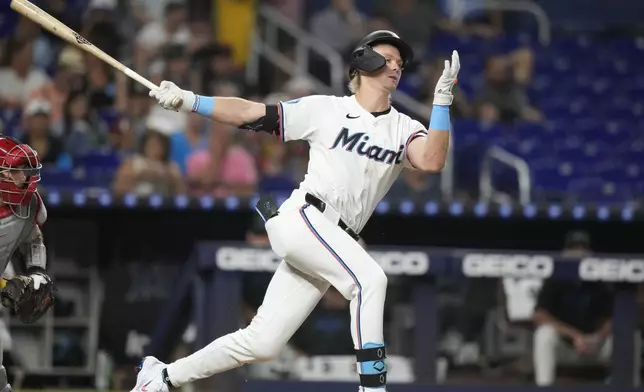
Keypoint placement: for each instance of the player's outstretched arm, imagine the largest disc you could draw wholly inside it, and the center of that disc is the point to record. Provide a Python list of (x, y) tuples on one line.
[(430, 153), (227, 110)]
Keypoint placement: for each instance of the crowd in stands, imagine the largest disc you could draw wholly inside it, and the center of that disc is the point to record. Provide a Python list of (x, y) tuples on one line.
[(93, 127)]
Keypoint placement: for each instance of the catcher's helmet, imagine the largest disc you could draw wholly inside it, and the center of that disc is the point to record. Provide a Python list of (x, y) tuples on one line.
[(366, 59), (18, 158)]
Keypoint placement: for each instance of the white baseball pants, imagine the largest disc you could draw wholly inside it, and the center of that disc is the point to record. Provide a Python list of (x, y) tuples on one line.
[(548, 347), (316, 253)]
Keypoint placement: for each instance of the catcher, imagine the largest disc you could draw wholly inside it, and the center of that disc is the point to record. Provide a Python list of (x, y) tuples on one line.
[(22, 213)]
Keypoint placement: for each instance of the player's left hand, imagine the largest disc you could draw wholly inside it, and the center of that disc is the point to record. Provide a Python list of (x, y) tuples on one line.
[(169, 95), (28, 296), (443, 92)]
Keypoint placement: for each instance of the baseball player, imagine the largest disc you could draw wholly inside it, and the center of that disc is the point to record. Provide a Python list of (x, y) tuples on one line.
[(22, 213), (359, 144)]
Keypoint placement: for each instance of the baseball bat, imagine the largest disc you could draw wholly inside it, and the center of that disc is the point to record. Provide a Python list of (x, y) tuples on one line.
[(56, 27)]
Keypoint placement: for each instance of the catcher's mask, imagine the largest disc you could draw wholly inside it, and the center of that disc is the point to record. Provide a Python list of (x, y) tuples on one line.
[(364, 58), (19, 175)]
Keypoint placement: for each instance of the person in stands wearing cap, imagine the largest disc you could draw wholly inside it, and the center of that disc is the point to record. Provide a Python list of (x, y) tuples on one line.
[(571, 315), (37, 133), (69, 76), (173, 29), (17, 76)]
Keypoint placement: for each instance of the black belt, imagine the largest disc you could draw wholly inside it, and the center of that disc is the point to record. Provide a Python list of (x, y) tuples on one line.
[(320, 205)]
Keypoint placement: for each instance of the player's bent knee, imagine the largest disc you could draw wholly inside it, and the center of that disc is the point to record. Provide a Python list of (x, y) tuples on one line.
[(371, 365), (376, 281)]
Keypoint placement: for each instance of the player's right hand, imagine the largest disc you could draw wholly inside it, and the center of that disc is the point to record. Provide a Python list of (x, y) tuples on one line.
[(169, 95), (443, 92)]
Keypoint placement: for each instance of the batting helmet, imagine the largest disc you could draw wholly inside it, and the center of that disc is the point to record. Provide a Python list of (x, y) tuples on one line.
[(364, 58)]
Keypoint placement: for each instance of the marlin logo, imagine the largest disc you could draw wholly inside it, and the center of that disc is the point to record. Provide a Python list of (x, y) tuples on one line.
[(360, 139)]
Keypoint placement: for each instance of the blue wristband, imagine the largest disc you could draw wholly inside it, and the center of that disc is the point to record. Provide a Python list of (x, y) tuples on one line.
[(203, 105), (439, 120)]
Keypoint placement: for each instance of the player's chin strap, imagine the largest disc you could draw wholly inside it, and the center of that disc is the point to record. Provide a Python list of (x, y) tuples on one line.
[(371, 365)]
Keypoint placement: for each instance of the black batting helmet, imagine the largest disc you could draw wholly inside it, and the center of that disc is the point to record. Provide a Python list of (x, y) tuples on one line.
[(364, 58)]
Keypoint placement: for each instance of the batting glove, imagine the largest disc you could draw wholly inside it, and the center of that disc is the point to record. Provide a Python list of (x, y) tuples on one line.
[(171, 97), (443, 92)]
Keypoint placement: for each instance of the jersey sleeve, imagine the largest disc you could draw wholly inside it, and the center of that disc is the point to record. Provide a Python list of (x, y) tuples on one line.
[(413, 131), (298, 117)]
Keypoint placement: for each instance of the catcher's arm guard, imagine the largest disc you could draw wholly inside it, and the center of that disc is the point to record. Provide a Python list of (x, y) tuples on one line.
[(20, 295)]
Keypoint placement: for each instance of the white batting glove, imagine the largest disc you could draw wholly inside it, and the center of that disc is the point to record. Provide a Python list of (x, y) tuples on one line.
[(38, 279), (171, 97), (443, 92)]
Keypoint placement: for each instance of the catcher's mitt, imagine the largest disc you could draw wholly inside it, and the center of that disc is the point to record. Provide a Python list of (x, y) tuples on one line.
[(29, 304)]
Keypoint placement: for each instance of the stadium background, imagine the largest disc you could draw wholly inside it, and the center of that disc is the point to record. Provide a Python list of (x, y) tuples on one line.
[(546, 157)]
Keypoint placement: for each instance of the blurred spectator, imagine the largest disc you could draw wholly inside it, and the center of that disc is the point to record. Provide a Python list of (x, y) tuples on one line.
[(43, 50), (176, 65), (69, 76), (215, 161), (504, 97), (274, 178), (339, 25), (80, 128), (216, 66), (150, 171), (155, 34), (412, 20), (18, 77), (417, 21), (194, 138), (133, 107), (167, 122), (65, 11), (38, 134), (101, 89), (201, 35), (577, 244), (417, 186), (571, 317), (298, 87), (99, 12), (226, 169)]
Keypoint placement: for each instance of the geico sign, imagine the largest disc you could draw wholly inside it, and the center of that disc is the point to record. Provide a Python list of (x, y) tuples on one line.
[(612, 270), (247, 259), (402, 263), (496, 266), (257, 259)]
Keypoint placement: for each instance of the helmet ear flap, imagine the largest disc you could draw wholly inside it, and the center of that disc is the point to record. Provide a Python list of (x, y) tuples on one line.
[(366, 59)]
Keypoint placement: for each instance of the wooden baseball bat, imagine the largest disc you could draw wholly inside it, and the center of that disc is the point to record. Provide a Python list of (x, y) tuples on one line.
[(56, 27)]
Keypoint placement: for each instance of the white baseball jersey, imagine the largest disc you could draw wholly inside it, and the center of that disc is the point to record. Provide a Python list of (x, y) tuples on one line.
[(354, 156)]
